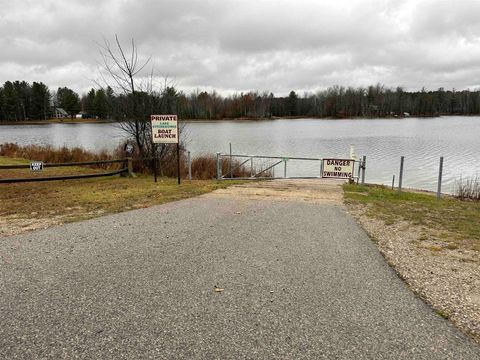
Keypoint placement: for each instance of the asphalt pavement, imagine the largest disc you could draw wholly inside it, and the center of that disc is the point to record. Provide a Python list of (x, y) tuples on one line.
[(213, 277)]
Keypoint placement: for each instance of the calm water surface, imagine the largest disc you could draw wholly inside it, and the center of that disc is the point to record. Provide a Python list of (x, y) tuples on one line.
[(383, 141)]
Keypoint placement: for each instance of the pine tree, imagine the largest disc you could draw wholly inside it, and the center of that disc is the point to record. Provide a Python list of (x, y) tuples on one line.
[(9, 101), (100, 104), (40, 101), (69, 101), (23, 95), (89, 106)]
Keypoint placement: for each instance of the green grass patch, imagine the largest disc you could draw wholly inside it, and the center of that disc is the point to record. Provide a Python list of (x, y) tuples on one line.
[(79, 199), (443, 314), (12, 161), (448, 219), (86, 197)]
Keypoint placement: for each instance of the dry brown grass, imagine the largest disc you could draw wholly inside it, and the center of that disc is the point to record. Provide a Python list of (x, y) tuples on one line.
[(204, 167), (13, 154), (50, 154), (468, 189)]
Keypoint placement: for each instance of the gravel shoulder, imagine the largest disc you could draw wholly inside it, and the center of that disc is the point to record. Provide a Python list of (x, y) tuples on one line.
[(447, 279), (263, 276)]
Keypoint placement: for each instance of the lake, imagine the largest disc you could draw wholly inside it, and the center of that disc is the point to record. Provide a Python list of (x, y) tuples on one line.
[(421, 140)]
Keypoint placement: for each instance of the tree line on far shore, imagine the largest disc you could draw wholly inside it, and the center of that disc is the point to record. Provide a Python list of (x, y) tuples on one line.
[(21, 101)]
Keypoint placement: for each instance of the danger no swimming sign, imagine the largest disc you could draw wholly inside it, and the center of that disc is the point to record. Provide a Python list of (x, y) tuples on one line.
[(338, 168)]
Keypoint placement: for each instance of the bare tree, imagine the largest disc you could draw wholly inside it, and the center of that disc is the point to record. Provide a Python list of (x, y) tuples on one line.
[(138, 95), (122, 71)]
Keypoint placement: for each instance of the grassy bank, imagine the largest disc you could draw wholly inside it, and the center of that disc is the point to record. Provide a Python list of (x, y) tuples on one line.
[(82, 198), (26, 206), (450, 223)]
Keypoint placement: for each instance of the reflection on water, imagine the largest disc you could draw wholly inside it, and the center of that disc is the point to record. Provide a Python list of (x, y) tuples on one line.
[(383, 141)]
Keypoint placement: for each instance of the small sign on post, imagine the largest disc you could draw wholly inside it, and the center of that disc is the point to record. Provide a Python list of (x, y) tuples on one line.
[(36, 166), (129, 149), (338, 168)]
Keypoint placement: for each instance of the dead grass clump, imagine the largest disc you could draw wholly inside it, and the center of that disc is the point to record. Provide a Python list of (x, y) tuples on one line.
[(467, 189), (204, 167), (50, 154)]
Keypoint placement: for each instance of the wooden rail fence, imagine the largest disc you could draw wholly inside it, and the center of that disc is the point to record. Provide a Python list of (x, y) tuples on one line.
[(127, 169)]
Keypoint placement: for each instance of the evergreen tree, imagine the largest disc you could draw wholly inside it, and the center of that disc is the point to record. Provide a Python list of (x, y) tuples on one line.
[(40, 101), (111, 101), (89, 102), (169, 100), (100, 104), (9, 101), (292, 104), (69, 101), (23, 96)]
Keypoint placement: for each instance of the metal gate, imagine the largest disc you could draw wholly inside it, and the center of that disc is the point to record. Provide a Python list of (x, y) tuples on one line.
[(251, 167)]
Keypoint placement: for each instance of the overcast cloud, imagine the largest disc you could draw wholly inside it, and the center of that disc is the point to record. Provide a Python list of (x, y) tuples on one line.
[(249, 44)]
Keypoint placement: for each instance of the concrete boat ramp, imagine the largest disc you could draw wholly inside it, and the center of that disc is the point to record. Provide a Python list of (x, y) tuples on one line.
[(274, 270)]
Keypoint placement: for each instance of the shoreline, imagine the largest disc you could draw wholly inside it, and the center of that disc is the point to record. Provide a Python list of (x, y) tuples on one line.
[(252, 119), (58, 121), (241, 119)]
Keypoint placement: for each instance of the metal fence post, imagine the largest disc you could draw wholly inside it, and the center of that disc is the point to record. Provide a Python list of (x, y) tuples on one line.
[(285, 168), (218, 166), (440, 170), (359, 171), (400, 178), (230, 162), (251, 166), (364, 166), (189, 160), (393, 181)]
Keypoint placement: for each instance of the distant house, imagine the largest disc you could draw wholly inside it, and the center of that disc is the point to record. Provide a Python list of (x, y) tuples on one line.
[(59, 113), (84, 115)]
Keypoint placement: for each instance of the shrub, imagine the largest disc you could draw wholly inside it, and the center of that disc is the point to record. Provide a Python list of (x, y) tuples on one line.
[(49, 154), (467, 189), (204, 167)]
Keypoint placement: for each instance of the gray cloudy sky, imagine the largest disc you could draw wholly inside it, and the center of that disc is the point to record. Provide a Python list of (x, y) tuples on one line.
[(275, 45)]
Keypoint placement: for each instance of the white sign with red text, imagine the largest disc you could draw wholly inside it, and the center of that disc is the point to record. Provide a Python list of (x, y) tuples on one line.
[(338, 168)]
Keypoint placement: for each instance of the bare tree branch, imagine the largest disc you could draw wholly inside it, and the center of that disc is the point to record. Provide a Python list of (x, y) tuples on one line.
[(123, 68)]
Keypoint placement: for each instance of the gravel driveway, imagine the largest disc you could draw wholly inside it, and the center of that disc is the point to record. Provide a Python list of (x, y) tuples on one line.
[(214, 277)]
